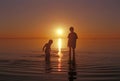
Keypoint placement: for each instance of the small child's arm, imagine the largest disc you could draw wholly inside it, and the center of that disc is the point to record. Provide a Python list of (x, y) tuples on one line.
[(44, 47)]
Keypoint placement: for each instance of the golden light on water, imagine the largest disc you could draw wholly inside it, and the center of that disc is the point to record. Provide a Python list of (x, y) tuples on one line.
[(60, 61), (60, 32), (59, 44), (59, 53)]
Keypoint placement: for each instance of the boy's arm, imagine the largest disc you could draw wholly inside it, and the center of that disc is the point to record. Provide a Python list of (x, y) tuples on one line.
[(76, 36), (68, 36)]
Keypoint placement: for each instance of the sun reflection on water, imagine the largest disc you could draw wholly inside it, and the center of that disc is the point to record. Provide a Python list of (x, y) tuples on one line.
[(60, 54), (59, 45)]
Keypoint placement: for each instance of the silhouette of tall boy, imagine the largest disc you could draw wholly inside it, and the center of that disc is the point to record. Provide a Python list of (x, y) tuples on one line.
[(72, 38)]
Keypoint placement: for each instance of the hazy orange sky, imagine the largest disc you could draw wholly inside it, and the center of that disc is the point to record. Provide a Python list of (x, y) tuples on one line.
[(40, 18)]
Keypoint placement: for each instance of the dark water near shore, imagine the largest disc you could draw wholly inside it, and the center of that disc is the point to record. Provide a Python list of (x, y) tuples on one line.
[(23, 60)]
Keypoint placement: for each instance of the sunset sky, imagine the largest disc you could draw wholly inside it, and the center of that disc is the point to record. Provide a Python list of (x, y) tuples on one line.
[(41, 18)]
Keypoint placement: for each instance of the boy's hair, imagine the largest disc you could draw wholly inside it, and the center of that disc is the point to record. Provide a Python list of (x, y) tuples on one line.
[(71, 28)]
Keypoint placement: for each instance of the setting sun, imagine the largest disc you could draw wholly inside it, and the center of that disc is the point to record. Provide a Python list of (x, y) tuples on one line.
[(59, 31)]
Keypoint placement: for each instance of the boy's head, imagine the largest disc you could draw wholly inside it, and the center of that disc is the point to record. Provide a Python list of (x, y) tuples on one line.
[(71, 29), (50, 41)]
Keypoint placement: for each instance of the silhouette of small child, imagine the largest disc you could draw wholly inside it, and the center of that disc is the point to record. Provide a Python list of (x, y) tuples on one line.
[(47, 49)]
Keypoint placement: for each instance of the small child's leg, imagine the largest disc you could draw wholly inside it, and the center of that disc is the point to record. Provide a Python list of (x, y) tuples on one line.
[(45, 57), (49, 57)]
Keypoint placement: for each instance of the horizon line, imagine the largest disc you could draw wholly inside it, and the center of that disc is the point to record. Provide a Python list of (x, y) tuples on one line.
[(59, 37)]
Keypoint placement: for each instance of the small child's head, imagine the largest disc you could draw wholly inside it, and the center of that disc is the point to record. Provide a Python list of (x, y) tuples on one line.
[(50, 41), (71, 29)]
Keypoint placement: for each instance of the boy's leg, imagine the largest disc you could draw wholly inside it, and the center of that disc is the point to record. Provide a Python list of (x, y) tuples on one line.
[(73, 55), (69, 54)]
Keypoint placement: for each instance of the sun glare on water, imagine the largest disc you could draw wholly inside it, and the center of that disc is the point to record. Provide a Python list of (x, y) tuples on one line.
[(60, 33), (59, 44), (59, 54)]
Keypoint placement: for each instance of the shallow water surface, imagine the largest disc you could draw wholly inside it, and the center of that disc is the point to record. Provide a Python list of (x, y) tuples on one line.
[(23, 60)]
